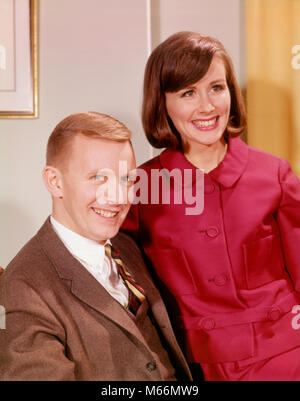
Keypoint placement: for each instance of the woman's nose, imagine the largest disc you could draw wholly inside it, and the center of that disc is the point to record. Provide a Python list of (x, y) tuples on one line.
[(204, 103)]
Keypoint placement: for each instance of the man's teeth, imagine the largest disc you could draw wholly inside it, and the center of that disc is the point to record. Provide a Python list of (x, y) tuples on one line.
[(207, 123), (105, 213)]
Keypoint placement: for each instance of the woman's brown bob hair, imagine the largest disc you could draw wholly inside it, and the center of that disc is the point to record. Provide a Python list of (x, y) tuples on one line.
[(182, 60)]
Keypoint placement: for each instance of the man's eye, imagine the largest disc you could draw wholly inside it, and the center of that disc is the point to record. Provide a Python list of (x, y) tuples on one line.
[(126, 179), (129, 179), (99, 177)]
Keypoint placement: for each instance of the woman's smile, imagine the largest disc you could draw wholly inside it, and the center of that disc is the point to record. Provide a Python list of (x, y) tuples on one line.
[(206, 125)]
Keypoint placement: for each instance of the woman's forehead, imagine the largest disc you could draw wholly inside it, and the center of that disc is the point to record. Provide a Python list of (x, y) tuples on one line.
[(215, 68)]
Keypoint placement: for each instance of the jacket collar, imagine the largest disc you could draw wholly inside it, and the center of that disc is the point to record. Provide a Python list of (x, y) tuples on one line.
[(226, 173)]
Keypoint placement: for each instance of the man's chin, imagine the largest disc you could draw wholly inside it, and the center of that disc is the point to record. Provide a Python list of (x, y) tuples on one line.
[(103, 237)]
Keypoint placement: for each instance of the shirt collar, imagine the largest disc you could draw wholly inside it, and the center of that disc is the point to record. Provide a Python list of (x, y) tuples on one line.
[(226, 173), (82, 248)]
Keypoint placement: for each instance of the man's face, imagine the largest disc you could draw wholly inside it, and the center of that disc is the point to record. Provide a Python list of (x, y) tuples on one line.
[(94, 191)]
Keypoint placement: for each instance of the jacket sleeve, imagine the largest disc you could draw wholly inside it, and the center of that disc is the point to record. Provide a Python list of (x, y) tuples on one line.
[(289, 221), (32, 345)]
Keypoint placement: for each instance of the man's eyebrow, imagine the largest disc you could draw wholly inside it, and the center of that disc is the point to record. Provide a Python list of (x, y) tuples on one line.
[(92, 172)]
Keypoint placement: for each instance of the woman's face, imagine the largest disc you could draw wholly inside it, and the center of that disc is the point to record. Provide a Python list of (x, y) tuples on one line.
[(200, 112)]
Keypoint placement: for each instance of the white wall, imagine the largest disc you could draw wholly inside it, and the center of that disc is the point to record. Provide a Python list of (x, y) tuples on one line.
[(223, 20), (92, 55)]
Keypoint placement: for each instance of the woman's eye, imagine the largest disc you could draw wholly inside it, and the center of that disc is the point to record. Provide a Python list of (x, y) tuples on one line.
[(187, 93), (218, 88)]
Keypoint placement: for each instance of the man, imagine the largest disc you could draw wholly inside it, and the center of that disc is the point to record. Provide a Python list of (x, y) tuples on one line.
[(76, 307)]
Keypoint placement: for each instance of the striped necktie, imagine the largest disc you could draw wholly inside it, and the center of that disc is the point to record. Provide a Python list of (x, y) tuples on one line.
[(136, 293)]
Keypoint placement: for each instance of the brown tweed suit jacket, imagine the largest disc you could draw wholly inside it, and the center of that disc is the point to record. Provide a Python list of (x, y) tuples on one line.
[(61, 324)]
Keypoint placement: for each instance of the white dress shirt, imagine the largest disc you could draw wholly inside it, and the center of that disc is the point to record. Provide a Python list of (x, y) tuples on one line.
[(92, 256)]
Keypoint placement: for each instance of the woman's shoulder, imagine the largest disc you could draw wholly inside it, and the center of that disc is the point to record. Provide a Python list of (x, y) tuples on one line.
[(262, 157), (264, 164)]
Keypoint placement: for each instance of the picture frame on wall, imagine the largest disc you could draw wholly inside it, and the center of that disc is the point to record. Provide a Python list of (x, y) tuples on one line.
[(19, 58)]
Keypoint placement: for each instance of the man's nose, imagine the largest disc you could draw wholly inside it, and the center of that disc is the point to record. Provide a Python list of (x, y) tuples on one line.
[(111, 193)]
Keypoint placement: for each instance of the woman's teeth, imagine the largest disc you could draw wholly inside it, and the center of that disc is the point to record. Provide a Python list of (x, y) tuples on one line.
[(105, 213), (206, 123)]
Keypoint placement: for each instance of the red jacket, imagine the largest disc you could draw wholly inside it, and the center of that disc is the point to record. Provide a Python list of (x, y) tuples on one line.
[(230, 275)]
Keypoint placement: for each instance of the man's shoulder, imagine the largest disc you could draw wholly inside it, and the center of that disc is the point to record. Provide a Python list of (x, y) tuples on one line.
[(30, 257), (26, 255), (23, 274)]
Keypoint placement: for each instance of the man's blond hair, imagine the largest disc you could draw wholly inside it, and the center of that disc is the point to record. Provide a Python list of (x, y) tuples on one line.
[(91, 124)]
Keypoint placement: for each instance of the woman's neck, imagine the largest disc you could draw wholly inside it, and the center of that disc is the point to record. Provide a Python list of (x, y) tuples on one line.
[(206, 157)]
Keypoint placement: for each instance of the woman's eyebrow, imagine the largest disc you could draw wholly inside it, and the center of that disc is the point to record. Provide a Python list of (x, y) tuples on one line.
[(218, 80)]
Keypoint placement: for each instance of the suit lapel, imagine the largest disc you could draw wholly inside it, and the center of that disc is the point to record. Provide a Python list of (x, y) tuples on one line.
[(82, 284)]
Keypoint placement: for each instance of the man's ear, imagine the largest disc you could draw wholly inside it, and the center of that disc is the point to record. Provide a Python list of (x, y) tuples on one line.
[(53, 181)]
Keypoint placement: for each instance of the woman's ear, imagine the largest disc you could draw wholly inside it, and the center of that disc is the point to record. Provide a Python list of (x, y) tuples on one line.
[(53, 181)]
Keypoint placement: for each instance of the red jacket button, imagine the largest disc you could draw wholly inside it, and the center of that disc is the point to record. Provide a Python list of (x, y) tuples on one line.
[(274, 313), (212, 232), (207, 323), (220, 280)]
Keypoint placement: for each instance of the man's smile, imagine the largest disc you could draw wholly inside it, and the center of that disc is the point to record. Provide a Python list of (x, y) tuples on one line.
[(105, 213)]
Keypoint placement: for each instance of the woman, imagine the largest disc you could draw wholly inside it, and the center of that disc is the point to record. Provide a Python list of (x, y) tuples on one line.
[(229, 275)]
